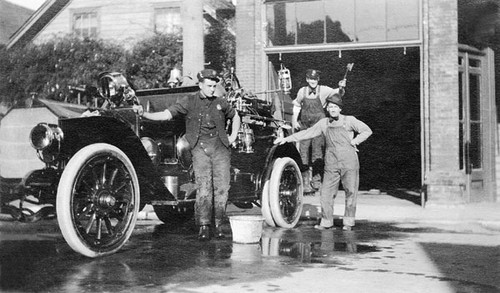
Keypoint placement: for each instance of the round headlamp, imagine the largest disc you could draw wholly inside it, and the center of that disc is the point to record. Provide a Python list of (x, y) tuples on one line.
[(46, 139), (43, 135)]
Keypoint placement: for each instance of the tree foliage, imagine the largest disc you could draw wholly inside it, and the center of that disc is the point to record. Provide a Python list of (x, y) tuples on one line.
[(150, 63), (52, 68), (220, 46)]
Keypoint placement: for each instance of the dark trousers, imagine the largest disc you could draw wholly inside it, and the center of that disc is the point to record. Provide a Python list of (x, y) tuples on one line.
[(211, 163)]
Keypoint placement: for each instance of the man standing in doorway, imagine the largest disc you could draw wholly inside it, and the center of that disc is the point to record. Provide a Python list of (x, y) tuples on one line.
[(308, 108), (205, 116), (341, 159)]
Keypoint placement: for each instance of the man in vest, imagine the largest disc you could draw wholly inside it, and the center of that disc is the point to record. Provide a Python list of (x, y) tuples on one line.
[(342, 135), (206, 115), (308, 108)]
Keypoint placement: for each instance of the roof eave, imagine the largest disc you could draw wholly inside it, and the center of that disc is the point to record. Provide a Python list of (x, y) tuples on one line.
[(42, 16)]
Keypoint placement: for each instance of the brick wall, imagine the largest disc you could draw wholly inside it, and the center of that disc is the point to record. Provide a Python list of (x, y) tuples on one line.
[(250, 57), (245, 50), (444, 180)]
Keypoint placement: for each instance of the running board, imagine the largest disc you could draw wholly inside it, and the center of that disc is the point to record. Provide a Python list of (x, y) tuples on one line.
[(172, 202)]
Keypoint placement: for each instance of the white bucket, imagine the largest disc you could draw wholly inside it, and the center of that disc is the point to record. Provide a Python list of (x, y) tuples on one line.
[(246, 228)]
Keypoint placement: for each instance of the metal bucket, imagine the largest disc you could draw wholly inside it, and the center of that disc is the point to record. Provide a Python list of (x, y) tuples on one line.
[(246, 229)]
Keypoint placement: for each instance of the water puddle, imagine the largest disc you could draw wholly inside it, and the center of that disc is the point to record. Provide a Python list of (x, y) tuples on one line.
[(301, 249), (158, 255)]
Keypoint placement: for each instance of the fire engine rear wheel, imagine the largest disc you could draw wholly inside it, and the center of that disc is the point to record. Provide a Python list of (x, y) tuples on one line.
[(286, 193), (264, 205), (98, 200)]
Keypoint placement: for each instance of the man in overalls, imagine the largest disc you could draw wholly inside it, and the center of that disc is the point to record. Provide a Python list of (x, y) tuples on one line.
[(308, 108), (341, 159), (205, 116)]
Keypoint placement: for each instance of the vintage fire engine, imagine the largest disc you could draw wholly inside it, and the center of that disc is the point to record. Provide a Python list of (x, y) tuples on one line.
[(103, 166)]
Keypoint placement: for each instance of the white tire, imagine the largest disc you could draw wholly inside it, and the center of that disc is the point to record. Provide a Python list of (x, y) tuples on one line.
[(98, 200), (286, 192)]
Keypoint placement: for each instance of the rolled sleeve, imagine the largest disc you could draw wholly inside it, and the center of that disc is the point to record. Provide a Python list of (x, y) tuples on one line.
[(180, 107)]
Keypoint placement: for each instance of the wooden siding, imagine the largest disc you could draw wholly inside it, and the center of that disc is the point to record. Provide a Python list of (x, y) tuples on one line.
[(128, 22)]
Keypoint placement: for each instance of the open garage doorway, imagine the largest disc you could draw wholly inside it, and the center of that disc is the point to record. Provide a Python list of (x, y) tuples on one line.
[(383, 90)]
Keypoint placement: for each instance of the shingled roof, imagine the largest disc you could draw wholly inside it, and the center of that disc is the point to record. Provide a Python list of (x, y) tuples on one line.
[(12, 16), (36, 22)]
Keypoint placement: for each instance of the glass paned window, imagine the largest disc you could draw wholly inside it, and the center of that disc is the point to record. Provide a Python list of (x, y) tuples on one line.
[(475, 120), (474, 101), (310, 22), (85, 24), (339, 21), (370, 21), (475, 145), (461, 120), (281, 24), (461, 149), (168, 20), (402, 20)]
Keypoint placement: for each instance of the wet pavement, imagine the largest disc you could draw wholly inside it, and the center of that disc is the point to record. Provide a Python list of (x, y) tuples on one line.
[(375, 257)]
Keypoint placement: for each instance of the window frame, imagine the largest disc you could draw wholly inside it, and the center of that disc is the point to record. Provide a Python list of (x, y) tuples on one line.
[(166, 5), (269, 48), (85, 11)]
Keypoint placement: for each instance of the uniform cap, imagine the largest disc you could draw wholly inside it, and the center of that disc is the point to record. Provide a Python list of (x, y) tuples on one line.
[(335, 99), (313, 73), (207, 74)]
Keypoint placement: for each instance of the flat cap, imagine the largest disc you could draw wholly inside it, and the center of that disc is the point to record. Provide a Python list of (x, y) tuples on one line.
[(313, 73), (207, 74)]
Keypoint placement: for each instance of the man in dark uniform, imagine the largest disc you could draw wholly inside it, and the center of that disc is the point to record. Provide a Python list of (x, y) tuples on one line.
[(309, 105), (341, 159), (206, 116)]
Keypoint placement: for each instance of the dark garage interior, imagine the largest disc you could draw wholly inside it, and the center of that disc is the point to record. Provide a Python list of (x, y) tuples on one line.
[(383, 90)]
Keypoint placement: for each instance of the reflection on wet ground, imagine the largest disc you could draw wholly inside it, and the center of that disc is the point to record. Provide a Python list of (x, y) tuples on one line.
[(159, 255)]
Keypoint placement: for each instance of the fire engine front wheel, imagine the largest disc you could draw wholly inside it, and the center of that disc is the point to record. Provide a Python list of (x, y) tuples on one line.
[(286, 193), (98, 200)]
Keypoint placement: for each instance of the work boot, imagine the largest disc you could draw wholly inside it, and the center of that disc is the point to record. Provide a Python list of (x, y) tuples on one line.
[(204, 234), (218, 232), (307, 183)]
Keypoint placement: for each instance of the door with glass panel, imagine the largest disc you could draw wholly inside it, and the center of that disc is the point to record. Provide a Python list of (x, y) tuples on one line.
[(476, 152)]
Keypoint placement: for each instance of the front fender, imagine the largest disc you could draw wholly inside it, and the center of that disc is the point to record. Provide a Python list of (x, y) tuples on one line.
[(83, 131), (279, 151)]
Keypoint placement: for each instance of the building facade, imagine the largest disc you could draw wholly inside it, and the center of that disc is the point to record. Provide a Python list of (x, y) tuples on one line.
[(429, 98), (126, 23)]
